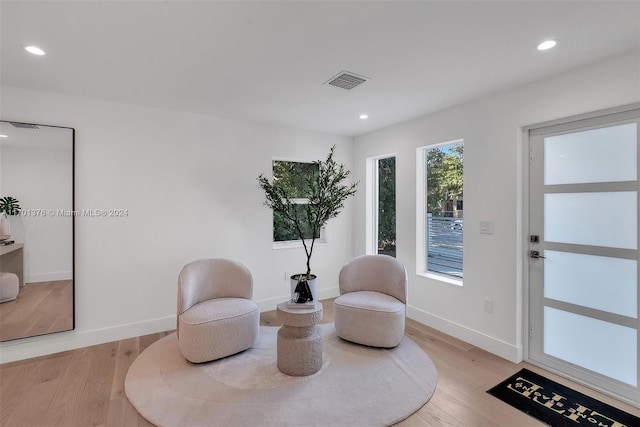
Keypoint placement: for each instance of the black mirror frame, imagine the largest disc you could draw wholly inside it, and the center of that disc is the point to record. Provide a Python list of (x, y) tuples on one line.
[(73, 228)]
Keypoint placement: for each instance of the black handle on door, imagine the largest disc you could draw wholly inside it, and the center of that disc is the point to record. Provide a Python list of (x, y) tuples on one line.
[(535, 255)]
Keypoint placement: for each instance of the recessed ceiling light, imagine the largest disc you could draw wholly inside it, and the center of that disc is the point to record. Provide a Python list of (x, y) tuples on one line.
[(547, 44), (3, 136), (363, 116), (34, 50)]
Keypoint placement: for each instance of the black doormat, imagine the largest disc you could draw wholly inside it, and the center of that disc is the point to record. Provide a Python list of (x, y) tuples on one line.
[(557, 405)]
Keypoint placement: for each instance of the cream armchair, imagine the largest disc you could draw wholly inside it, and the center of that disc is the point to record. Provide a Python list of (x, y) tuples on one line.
[(216, 316), (372, 303)]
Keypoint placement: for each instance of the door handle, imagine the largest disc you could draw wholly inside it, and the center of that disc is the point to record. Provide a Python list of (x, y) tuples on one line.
[(535, 255)]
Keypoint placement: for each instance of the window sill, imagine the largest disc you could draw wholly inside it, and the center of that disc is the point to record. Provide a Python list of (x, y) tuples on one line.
[(441, 278), (291, 244)]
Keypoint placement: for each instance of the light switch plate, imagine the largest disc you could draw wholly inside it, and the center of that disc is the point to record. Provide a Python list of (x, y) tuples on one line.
[(486, 227)]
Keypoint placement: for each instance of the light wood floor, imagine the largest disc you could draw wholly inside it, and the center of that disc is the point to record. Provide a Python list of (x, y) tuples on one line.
[(85, 387), (40, 308)]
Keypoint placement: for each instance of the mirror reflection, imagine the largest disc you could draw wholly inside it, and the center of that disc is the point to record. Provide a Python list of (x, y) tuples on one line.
[(36, 230)]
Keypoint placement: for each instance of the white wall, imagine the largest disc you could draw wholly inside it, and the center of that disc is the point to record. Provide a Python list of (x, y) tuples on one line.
[(493, 174), (41, 179), (189, 185)]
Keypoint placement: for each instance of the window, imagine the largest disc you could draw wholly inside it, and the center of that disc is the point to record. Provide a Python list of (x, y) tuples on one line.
[(295, 176), (440, 222), (381, 199), (387, 206)]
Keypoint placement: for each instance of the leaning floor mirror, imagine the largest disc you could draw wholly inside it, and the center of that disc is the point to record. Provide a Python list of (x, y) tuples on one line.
[(36, 230)]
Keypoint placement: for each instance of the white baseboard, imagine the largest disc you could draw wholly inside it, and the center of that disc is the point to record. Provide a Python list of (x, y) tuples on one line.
[(26, 348), (48, 277), (498, 347)]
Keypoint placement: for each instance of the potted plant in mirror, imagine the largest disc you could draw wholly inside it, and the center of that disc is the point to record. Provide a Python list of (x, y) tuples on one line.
[(8, 206), (326, 196)]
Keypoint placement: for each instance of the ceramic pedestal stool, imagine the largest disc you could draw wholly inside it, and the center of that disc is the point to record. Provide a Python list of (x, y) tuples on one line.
[(299, 340)]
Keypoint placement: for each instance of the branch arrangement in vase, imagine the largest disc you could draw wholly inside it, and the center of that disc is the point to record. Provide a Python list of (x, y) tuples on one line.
[(326, 194)]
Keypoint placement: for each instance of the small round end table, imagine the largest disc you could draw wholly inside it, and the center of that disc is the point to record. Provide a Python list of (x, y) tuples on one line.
[(299, 340)]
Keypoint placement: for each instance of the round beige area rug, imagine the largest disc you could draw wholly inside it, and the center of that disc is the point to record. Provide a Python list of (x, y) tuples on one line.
[(356, 386)]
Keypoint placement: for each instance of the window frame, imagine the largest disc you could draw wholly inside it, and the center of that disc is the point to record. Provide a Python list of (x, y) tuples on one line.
[(297, 243), (373, 201), (422, 268)]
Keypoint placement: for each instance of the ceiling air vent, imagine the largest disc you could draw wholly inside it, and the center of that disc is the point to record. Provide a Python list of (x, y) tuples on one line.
[(346, 80), (24, 125)]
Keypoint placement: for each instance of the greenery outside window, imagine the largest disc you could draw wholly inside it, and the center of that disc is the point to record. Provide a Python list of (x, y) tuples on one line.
[(440, 219), (386, 214), (294, 176)]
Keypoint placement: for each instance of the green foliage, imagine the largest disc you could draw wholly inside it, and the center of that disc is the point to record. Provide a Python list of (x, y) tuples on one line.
[(387, 205), (292, 176), (444, 176), (325, 193), (283, 230), (9, 205)]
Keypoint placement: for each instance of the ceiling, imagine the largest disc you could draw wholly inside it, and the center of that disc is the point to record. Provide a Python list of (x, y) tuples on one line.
[(268, 61)]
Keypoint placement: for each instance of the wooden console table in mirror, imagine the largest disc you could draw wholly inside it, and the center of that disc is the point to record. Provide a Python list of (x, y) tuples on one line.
[(37, 169)]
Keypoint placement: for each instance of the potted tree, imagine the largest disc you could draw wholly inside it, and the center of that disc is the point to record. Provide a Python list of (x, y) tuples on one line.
[(8, 206), (326, 196)]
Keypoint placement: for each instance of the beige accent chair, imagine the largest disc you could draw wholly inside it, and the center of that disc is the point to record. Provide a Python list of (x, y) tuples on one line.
[(216, 316), (372, 303)]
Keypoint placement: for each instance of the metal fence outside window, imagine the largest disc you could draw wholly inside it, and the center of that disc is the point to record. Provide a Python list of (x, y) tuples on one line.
[(444, 245)]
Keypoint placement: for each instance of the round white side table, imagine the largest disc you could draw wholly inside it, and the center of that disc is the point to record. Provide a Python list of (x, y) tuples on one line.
[(299, 340)]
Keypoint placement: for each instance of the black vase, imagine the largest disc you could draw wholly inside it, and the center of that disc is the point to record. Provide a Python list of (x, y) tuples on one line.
[(302, 292)]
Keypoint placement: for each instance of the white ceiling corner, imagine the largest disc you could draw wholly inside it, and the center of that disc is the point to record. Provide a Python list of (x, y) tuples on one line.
[(268, 61)]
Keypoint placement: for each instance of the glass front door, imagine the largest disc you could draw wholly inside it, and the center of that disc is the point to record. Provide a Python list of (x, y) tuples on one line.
[(583, 251)]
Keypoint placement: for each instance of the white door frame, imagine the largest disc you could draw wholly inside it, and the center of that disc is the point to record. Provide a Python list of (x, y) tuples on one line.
[(524, 237)]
